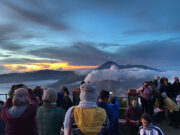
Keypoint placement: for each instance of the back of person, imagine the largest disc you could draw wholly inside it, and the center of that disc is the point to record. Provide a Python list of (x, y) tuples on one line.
[(38, 92), (50, 120), (49, 117), (2, 124), (20, 119), (86, 118), (102, 103), (89, 121)]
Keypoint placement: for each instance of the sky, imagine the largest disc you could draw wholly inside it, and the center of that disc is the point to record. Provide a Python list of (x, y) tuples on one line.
[(82, 34)]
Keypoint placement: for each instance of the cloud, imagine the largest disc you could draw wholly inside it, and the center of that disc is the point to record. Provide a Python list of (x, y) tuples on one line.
[(11, 46), (151, 52), (43, 17), (10, 32), (80, 53), (121, 80)]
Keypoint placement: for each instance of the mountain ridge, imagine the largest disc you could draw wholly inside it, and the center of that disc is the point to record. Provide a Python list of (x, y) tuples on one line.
[(110, 63)]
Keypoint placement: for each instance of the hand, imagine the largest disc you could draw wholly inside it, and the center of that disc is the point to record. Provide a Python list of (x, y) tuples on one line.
[(24, 86), (137, 122), (113, 95)]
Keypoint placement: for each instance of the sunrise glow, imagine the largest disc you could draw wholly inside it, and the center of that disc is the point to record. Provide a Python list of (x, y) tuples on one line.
[(43, 66)]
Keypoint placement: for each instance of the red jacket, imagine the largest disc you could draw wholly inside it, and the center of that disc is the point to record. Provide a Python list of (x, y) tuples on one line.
[(25, 124)]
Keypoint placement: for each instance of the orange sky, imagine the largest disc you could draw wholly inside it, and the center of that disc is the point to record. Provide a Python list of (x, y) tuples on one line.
[(43, 66)]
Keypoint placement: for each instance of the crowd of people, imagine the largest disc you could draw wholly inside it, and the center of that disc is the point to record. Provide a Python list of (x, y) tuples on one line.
[(48, 112)]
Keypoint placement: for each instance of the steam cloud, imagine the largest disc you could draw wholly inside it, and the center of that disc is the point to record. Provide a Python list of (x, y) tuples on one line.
[(127, 74)]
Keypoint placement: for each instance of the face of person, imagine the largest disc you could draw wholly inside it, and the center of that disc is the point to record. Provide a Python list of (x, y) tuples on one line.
[(134, 103), (176, 80), (144, 122), (145, 84)]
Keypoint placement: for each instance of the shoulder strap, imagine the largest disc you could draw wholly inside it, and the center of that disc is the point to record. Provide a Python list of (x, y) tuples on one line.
[(158, 130), (70, 123)]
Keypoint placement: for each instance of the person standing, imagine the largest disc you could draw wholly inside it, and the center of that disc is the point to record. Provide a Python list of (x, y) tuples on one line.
[(114, 104), (86, 118), (19, 113), (133, 116), (2, 124), (145, 92), (67, 103), (176, 86), (103, 103), (50, 117)]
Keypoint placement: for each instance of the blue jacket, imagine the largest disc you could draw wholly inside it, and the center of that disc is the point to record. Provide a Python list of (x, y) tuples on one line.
[(115, 108), (59, 99), (109, 112)]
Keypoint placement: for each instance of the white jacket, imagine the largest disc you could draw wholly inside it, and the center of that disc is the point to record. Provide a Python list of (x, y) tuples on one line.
[(150, 130)]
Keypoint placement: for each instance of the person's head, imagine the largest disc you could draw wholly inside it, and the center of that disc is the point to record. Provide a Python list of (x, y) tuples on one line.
[(134, 103), (64, 89), (151, 83), (145, 84), (162, 80), (66, 93), (103, 96), (156, 77), (49, 95), (176, 79), (113, 100), (146, 119), (88, 92), (38, 87), (20, 97)]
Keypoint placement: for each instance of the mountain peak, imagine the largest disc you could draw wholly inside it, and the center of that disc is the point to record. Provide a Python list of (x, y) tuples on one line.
[(107, 65)]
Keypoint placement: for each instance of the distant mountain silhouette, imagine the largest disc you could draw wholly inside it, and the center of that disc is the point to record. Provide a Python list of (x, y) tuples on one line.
[(108, 64), (36, 76)]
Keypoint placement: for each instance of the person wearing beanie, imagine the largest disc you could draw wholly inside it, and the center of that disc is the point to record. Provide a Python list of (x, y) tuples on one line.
[(173, 110), (103, 103), (86, 118), (19, 113), (147, 127), (50, 117)]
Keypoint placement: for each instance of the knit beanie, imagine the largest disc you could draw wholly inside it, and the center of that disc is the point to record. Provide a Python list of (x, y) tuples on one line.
[(20, 97), (49, 95), (88, 92)]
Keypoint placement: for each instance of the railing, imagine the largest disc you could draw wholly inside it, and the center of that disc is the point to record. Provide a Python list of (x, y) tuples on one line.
[(6, 95)]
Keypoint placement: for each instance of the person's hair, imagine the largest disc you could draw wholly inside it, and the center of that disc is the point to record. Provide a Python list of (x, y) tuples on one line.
[(147, 117), (67, 92), (82, 82), (162, 80), (49, 95), (103, 94), (113, 100), (145, 82), (64, 89)]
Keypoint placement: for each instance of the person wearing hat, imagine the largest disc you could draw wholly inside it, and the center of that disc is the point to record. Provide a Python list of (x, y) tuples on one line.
[(147, 127), (50, 117), (173, 109), (19, 113), (86, 118)]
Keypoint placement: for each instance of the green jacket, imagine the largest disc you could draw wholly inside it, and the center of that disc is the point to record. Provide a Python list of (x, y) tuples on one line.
[(50, 119)]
